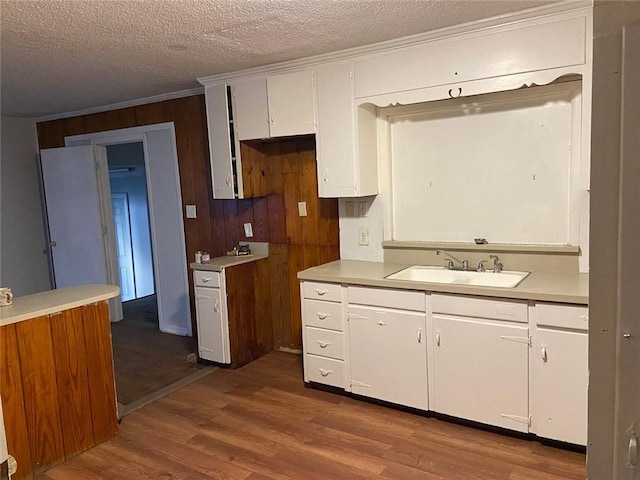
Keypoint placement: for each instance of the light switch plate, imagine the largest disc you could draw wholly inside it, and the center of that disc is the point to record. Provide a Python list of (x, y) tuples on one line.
[(191, 211), (248, 230), (362, 209), (350, 209), (302, 209)]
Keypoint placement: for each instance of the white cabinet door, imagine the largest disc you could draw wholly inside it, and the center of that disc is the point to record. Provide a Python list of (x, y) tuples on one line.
[(291, 104), (211, 319), (388, 355), (480, 371), (219, 141), (250, 109), (559, 385), (335, 138)]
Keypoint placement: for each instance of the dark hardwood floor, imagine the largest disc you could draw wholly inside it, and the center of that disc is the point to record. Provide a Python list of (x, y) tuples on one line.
[(260, 422), (145, 359)]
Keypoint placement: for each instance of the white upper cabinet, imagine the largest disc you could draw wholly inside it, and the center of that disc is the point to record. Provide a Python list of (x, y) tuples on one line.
[(484, 54), (250, 109), (222, 171), (291, 109), (343, 170)]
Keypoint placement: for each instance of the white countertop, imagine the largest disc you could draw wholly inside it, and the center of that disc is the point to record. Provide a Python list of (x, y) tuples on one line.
[(218, 263), (542, 286), (53, 301)]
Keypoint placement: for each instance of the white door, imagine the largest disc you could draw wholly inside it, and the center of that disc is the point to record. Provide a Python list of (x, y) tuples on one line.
[(122, 225), (628, 367), (388, 353), (209, 315), (78, 221), (480, 371), (559, 385)]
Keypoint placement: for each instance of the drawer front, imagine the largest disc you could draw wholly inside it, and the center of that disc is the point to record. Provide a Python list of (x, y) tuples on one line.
[(323, 314), (498, 309), (324, 370), (387, 297), (326, 343), (205, 278), (330, 292), (562, 315)]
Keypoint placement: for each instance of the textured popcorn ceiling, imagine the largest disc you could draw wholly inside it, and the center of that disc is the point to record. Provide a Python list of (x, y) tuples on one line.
[(65, 55)]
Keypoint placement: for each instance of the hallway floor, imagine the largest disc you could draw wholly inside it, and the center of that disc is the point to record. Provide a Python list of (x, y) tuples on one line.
[(145, 359)]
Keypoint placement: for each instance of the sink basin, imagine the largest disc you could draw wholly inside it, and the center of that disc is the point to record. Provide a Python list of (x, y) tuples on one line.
[(420, 273)]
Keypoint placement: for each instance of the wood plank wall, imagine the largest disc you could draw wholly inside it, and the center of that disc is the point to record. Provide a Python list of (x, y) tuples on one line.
[(295, 242), (57, 386)]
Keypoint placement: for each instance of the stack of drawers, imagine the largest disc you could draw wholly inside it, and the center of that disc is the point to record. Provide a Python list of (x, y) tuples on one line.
[(323, 322)]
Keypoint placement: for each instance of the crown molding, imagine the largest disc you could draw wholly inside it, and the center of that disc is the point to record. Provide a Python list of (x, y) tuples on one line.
[(116, 106), (565, 6)]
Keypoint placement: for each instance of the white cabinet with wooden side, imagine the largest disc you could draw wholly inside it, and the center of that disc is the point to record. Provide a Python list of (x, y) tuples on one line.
[(559, 371), (387, 345), (345, 137), (323, 333), (479, 368), (211, 316)]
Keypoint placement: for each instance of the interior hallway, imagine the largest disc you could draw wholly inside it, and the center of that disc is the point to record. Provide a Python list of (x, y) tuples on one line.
[(259, 422), (145, 359)]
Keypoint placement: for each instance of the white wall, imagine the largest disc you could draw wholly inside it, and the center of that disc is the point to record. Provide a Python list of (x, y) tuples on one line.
[(350, 248), (23, 249)]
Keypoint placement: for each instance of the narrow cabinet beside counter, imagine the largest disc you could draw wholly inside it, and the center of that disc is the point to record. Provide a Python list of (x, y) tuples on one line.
[(233, 311)]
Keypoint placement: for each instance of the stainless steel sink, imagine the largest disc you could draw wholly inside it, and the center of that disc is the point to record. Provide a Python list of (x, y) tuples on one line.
[(421, 273)]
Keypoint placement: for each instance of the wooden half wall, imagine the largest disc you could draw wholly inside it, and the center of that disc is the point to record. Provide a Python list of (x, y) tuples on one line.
[(289, 168)]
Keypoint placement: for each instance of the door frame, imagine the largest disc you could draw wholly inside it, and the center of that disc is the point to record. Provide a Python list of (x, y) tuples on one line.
[(133, 135)]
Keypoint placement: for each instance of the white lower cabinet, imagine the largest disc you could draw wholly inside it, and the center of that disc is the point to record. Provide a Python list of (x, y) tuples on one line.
[(479, 371), (560, 374), (388, 355), (212, 317)]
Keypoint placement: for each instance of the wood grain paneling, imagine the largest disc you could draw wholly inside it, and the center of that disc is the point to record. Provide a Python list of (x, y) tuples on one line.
[(283, 170), (15, 417), (67, 332), (44, 430), (102, 393), (250, 325)]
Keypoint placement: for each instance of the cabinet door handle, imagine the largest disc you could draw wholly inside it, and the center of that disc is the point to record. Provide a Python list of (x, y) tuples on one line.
[(272, 119), (419, 335), (438, 339), (381, 323), (322, 316), (228, 180), (543, 354), (632, 459), (451, 90), (206, 279), (321, 292), (325, 176), (216, 306), (323, 344), (584, 317), (325, 373)]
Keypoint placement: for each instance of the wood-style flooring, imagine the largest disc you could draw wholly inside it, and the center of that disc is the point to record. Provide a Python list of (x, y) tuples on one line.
[(260, 423), (145, 359)]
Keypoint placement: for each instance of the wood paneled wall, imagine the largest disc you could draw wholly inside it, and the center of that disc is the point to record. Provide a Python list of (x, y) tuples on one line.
[(289, 169), (57, 386)]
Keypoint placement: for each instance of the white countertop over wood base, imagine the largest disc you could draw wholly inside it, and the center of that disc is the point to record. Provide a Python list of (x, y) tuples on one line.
[(53, 301)]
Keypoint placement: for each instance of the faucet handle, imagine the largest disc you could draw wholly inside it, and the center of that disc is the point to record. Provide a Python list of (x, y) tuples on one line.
[(497, 265), (481, 267), (450, 265)]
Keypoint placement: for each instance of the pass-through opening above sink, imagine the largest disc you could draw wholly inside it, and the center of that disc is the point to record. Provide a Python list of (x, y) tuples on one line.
[(429, 274)]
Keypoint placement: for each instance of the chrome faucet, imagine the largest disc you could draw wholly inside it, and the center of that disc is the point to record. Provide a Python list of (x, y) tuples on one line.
[(450, 265), (497, 265)]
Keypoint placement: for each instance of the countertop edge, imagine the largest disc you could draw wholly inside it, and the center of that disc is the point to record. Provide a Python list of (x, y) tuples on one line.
[(520, 293), (54, 301), (218, 263)]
